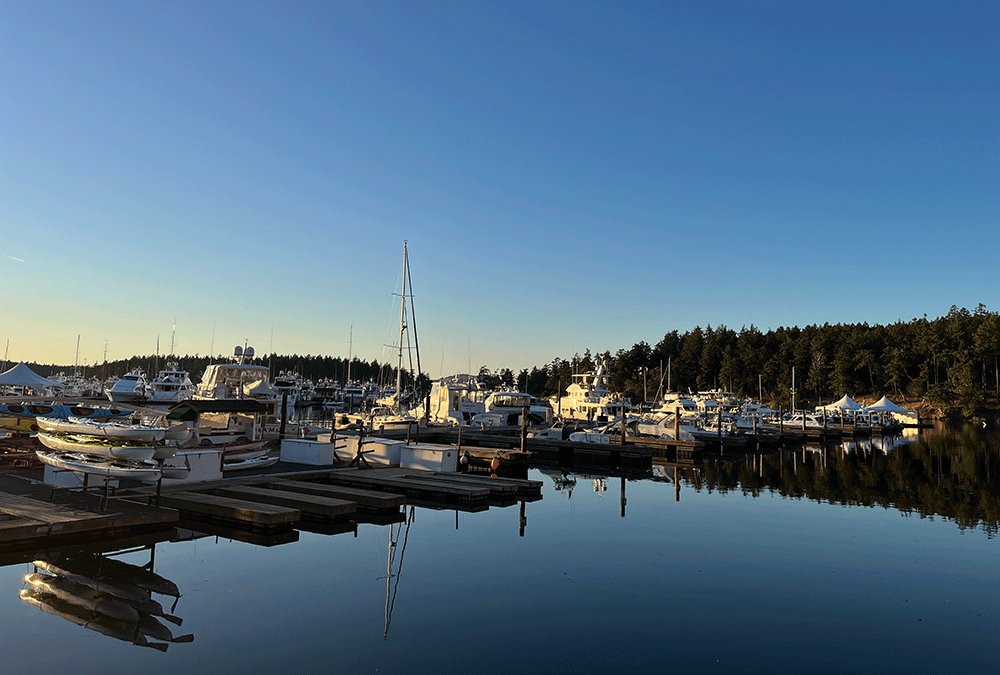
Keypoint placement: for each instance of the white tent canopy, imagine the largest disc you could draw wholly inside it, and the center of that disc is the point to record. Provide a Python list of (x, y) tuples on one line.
[(23, 376), (885, 405), (846, 403)]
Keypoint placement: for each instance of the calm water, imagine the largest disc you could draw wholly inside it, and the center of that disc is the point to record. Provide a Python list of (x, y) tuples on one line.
[(849, 560)]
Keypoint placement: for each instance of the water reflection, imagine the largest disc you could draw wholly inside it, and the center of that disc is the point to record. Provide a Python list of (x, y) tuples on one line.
[(108, 596), (393, 577), (950, 475)]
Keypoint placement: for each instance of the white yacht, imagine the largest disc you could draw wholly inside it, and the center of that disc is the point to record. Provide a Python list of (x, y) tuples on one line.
[(287, 382), (238, 380), (590, 398), (131, 388), (171, 385), (454, 400)]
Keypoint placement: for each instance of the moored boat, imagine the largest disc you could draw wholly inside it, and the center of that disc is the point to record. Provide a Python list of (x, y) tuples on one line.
[(101, 466), (91, 445), (115, 430), (255, 463), (131, 388)]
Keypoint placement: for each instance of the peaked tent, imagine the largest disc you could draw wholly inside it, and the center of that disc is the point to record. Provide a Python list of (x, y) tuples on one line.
[(846, 403), (885, 405), (23, 376)]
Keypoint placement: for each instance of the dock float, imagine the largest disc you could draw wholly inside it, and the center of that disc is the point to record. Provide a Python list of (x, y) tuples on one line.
[(311, 505), (198, 506), (366, 500)]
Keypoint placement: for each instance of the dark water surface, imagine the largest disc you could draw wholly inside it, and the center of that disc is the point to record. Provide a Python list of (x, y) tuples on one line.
[(845, 560)]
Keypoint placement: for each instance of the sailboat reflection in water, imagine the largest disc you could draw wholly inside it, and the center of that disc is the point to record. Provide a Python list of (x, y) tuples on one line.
[(391, 587), (108, 596)]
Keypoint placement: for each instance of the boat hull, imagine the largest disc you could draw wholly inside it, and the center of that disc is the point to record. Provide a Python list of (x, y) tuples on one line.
[(108, 430), (107, 450), (100, 466)]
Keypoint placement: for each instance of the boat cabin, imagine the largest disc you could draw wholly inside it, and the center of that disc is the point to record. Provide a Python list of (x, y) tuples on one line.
[(219, 422)]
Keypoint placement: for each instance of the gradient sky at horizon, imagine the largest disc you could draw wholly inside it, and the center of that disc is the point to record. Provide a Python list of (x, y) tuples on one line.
[(569, 176)]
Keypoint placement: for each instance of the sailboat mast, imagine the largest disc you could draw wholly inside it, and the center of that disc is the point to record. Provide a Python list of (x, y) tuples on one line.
[(402, 328), (413, 320)]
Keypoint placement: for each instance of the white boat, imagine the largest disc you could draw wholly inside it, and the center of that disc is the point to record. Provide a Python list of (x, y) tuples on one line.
[(590, 398), (287, 383), (254, 463), (454, 400), (121, 431), (100, 466), (93, 446), (171, 385), (131, 388), (237, 381)]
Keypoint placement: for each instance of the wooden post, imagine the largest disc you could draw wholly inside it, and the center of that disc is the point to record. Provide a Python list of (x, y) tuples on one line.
[(781, 421), (754, 425), (677, 426), (459, 438), (524, 428), (284, 414), (803, 420), (623, 424), (718, 421)]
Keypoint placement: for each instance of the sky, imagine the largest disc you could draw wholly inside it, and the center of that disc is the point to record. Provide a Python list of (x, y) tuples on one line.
[(567, 175)]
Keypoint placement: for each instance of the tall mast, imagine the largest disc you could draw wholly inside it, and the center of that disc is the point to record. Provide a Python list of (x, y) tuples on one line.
[(173, 329), (402, 328)]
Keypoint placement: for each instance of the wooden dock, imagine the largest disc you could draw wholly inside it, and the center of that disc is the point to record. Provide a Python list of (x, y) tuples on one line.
[(31, 514)]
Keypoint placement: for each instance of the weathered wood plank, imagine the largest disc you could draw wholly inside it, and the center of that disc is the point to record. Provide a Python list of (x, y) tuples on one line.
[(269, 515), (328, 507), (368, 498)]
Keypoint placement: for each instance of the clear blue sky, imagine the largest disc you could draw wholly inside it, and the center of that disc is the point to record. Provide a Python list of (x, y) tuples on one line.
[(569, 176)]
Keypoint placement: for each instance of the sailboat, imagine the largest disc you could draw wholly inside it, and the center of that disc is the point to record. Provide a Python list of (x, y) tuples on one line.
[(390, 411)]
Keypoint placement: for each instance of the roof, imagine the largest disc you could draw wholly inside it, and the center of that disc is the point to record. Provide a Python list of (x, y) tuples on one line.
[(23, 376), (190, 409), (885, 405), (846, 403)]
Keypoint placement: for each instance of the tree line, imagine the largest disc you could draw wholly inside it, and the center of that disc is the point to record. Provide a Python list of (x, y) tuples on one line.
[(950, 361)]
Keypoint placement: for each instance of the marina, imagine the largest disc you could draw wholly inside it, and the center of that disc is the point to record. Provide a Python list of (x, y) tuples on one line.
[(561, 553)]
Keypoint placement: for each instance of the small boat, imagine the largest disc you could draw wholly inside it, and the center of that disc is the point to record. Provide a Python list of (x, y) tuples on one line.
[(22, 417), (101, 466), (117, 430), (91, 445), (83, 596), (254, 463)]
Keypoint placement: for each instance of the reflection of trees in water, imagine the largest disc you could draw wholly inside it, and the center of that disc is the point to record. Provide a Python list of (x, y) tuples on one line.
[(954, 475)]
